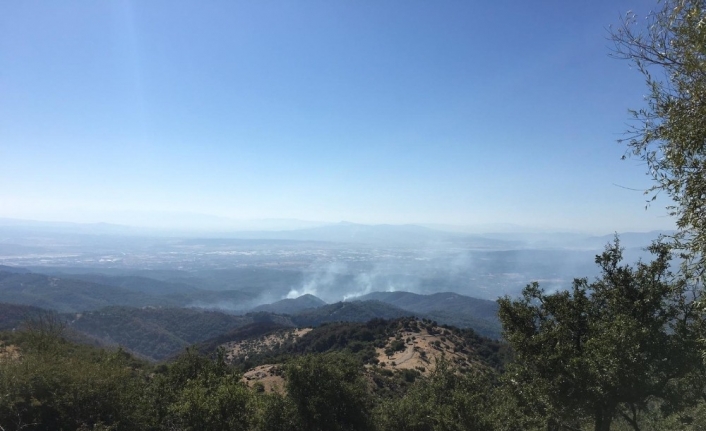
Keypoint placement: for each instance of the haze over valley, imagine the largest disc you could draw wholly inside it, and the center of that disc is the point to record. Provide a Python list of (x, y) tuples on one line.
[(334, 262), (120, 285)]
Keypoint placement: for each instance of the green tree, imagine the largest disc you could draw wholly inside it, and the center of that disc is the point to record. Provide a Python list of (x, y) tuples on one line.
[(670, 132), (213, 402), (603, 349), (57, 385), (197, 392), (276, 413), (446, 401), (329, 393)]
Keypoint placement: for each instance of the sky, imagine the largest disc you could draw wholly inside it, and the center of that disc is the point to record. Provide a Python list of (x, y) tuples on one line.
[(446, 112)]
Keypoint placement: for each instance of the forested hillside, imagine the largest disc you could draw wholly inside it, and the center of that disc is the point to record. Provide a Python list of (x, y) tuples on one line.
[(153, 333), (446, 307), (67, 295), (13, 315)]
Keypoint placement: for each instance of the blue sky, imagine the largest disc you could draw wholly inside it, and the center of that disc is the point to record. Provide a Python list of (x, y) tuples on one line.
[(449, 112)]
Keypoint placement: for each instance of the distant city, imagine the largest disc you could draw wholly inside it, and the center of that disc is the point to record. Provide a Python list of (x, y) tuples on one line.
[(334, 262)]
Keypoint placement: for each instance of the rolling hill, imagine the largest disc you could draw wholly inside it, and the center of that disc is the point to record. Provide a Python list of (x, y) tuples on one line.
[(446, 308), (291, 305), (67, 295), (444, 301), (154, 333), (356, 311), (89, 291), (13, 315), (135, 283), (395, 351)]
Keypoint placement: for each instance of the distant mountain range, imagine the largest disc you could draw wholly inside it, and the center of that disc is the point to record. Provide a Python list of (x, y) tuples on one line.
[(160, 224), (343, 232), (627, 239)]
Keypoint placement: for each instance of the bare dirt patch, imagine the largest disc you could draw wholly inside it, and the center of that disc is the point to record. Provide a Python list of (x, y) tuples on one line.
[(262, 344), (413, 346), (422, 349), (9, 352), (269, 376)]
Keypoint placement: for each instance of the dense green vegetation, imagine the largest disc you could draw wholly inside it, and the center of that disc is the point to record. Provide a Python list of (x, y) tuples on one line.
[(57, 385), (47, 383), (607, 349), (358, 340)]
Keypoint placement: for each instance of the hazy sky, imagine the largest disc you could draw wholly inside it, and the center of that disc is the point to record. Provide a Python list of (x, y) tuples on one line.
[(457, 112)]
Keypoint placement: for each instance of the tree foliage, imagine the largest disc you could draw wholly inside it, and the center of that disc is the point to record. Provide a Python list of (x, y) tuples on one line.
[(670, 132), (56, 385), (329, 393), (445, 401), (607, 348)]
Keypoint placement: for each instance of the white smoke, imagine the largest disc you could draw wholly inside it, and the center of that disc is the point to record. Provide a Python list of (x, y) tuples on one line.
[(320, 282), (339, 281), (365, 283)]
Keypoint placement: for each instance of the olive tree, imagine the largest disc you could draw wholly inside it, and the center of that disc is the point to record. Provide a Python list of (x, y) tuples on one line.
[(669, 134), (603, 349)]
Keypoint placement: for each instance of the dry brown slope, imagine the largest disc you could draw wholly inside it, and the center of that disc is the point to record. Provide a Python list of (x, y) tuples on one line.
[(416, 346)]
